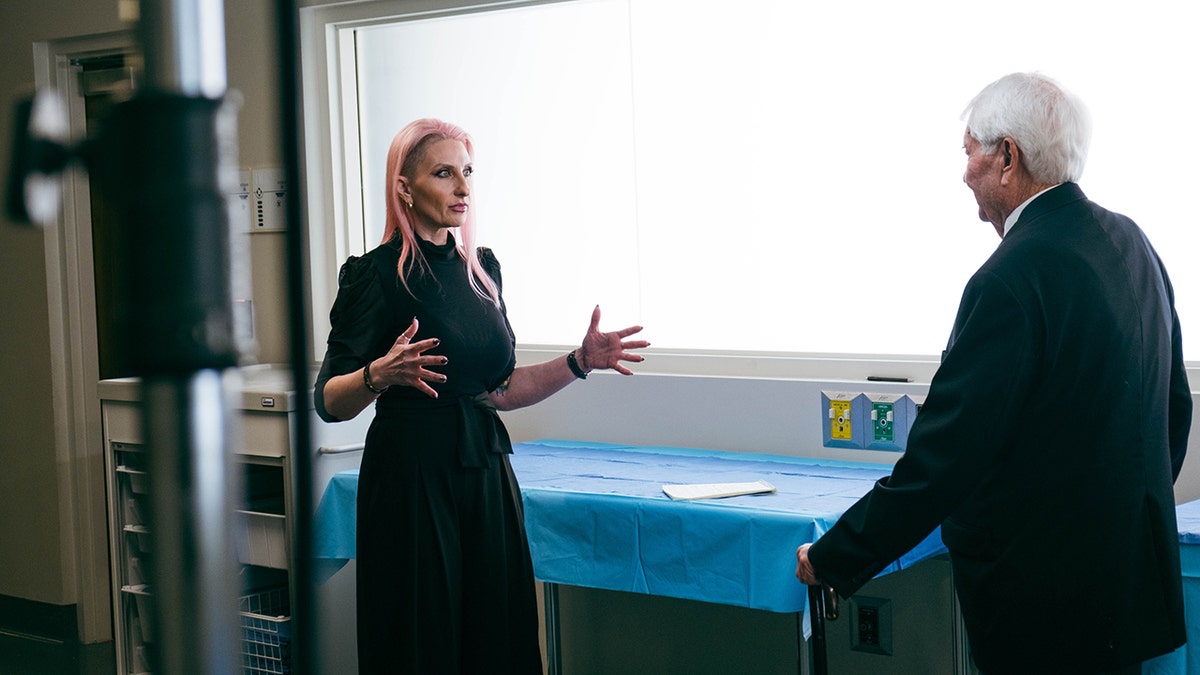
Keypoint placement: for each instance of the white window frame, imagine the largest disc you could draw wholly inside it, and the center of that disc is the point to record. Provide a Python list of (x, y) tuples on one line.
[(333, 187), (332, 183), (334, 198)]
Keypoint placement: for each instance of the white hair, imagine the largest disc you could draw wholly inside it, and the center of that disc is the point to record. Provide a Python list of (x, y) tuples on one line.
[(1050, 125)]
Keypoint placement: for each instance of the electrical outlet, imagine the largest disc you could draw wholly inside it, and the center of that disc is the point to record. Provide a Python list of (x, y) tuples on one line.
[(871, 626), (868, 627), (917, 400)]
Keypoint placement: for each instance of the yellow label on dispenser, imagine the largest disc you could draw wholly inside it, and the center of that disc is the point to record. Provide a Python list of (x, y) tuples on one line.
[(839, 420)]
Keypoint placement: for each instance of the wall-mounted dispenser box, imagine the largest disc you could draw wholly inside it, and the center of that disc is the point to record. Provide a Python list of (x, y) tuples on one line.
[(843, 419), (889, 417)]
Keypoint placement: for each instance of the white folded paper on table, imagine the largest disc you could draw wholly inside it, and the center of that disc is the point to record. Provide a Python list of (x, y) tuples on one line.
[(716, 490)]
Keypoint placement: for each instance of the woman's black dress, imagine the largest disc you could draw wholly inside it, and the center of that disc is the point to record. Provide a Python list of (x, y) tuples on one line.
[(445, 581)]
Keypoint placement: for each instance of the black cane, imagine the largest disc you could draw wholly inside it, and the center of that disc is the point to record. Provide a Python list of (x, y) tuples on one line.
[(822, 605)]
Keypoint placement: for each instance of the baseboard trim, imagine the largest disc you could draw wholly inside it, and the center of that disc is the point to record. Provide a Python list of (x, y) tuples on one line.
[(38, 620)]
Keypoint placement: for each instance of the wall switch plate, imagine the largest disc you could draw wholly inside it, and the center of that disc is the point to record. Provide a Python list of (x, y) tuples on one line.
[(269, 190), (241, 216)]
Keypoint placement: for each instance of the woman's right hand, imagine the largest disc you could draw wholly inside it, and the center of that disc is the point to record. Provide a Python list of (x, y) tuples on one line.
[(406, 363)]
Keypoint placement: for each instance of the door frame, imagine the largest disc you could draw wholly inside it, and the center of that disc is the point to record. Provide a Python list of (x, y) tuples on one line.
[(74, 353)]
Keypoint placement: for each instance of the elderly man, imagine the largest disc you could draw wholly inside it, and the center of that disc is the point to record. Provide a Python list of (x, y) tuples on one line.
[(1055, 426)]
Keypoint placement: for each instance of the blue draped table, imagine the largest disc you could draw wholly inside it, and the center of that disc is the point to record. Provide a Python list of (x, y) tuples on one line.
[(1186, 659), (597, 517)]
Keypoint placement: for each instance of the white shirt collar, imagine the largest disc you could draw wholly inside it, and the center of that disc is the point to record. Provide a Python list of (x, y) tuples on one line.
[(1012, 217)]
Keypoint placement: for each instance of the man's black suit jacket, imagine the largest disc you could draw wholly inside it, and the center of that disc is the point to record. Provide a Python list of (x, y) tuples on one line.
[(1047, 449)]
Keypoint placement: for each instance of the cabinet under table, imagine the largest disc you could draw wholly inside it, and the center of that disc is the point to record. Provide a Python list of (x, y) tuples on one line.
[(262, 454)]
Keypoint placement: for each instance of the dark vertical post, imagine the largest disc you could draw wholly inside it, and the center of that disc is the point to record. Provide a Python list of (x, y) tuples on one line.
[(166, 158), (303, 581)]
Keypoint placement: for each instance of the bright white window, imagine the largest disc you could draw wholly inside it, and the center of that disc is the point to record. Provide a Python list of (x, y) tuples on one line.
[(760, 175)]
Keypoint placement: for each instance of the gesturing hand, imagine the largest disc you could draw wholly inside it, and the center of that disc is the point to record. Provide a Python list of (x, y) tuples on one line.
[(608, 350), (405, 364)]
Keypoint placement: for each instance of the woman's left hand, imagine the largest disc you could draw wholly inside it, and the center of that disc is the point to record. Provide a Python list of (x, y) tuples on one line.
[(608, 350)]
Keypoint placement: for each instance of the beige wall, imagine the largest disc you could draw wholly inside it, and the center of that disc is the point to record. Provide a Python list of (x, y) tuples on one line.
[(34, 527), (37, 550), (252, 47)]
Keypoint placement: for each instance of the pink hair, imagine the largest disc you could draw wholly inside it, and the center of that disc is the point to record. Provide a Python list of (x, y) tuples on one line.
[(406, 150)]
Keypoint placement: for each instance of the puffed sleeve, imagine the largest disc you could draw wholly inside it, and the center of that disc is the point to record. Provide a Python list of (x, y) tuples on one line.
[(491, 265), (357, 320)]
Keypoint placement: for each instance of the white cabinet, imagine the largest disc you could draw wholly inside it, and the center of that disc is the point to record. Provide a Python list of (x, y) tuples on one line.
[(261, 536)]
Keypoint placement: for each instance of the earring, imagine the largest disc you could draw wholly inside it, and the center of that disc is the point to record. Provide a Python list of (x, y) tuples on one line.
[(409, 203)]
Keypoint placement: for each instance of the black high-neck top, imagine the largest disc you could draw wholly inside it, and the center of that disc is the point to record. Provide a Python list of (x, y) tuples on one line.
[(373, 308)]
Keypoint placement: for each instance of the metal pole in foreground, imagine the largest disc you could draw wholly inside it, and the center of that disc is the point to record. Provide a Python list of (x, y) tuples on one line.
[(304, 606), (165, 159)]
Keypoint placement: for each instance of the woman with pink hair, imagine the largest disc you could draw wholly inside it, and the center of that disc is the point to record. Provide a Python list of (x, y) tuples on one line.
[(445, 581)]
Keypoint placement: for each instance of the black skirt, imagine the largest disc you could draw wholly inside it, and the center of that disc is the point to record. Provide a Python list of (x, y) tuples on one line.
[(445, 579)]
